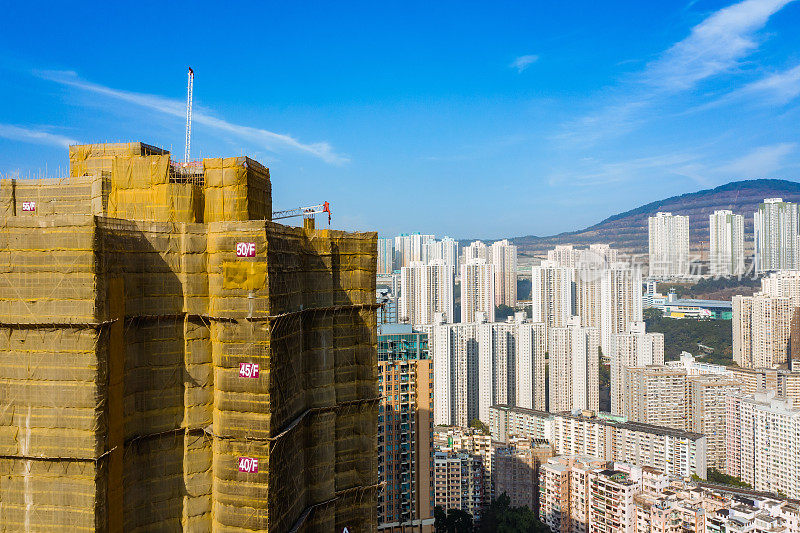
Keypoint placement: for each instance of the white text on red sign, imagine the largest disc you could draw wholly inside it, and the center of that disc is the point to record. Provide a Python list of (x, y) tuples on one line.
[(248, 370), (29, 206), (248, 464), (245, 249)]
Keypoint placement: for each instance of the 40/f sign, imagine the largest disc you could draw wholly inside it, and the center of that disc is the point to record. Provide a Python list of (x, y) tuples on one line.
[(248, 465), (248, 370), (29, 206), (245, 249)]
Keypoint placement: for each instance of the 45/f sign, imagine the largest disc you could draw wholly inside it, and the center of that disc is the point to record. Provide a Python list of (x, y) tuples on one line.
[(248, 465), (245, 249), (248, 370)]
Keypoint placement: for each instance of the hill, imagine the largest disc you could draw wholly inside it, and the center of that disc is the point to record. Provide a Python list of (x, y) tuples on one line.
[(628, 231)]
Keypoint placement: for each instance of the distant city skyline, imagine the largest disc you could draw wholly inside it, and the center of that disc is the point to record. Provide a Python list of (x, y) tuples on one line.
[(555, 118)]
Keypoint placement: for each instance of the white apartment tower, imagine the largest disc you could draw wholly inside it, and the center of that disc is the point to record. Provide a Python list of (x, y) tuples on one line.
[(551, 294), (385, 256), (776, 226), (634, 348), (620, 301), (425, 290), (504, 261), (477, 290), (479, 364), (477, 250), (763, 442), (726, 243), (761, 330), (574, 364), (564, 255), (410, 248), (668, 245), (445, 250)]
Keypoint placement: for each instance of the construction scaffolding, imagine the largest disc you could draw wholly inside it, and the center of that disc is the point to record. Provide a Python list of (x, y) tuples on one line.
[(172, 360)]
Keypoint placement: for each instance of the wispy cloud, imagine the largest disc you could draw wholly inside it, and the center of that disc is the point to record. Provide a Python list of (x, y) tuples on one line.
[(274, 142), (760, 162), (593, 172), (523, 62), (777, 88), (714, 46), (34, 136)]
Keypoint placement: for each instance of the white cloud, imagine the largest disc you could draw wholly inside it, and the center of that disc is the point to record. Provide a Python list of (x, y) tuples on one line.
[(776, 88), (714, 46), (34, 136), (760, 162), (523, 62), (266, 139)]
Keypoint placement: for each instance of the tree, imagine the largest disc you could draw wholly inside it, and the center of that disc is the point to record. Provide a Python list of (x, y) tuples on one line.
[(502, 311), (500, 517), (452, 521), (480, 426)]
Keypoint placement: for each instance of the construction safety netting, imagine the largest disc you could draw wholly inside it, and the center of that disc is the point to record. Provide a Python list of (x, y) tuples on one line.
[(172, 360)]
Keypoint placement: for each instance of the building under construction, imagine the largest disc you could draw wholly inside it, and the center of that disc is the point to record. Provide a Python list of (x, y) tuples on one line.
[(170, 359)]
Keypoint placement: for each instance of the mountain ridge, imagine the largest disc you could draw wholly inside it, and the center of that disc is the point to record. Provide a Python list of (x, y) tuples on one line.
[(627, 231)]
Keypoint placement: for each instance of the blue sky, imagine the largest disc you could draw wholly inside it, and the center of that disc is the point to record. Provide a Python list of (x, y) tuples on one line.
[(465, 119)]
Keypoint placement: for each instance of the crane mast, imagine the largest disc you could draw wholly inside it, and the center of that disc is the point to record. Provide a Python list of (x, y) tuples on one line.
[(189, 87)]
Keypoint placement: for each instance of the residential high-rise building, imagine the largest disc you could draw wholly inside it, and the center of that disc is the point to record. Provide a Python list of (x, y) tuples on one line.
[(761, 330), (459, 482), (599, 255), (516, 471), (656, 394), (675, 452), (785, 383), (477, 290), (476, 250), (504, 261), (668, 245), (425, 290), (726, 243), (763, 442), (564, 255), (551, 294), (669, 396), (445, 250), (635, 348), (620, 301), (583, 494), (174, 360), (708, 396), (405, 429), (385, 256), (409, 248), (564, 492), (574, 359), (776, 229), (475, 364)]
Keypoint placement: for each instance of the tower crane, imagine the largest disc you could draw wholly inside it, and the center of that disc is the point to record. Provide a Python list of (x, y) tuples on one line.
[(306, 212), (189, 88)]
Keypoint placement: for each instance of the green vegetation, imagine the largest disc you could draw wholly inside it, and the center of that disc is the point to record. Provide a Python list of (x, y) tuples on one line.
[(500, 517), (523, 289), (715, 476), (604, 373), (710, 285), (685, 335), (480, 426), (501, 312), (453, 521)]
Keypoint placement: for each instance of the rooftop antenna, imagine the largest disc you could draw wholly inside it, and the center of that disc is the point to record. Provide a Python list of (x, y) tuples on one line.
[(189, 87)]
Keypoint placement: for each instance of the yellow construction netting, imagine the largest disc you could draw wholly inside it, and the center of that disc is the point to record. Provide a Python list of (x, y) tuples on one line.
[(121, 342)]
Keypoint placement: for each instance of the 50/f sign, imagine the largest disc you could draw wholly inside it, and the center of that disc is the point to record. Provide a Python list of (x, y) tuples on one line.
[(248, 370), (248, 465), (245, 249), (29, 206)]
